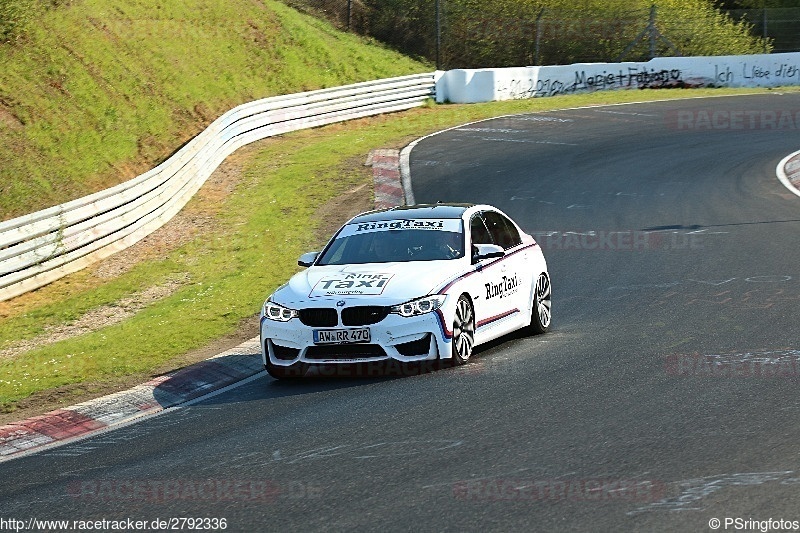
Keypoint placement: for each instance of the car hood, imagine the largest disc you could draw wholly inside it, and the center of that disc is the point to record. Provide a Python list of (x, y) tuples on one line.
[(384, 283)]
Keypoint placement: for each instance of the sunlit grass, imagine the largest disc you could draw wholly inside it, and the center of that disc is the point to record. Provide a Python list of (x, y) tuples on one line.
[(100, 91)]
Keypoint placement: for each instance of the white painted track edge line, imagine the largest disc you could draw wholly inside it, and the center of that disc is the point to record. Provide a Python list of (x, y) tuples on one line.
[(151, 413)]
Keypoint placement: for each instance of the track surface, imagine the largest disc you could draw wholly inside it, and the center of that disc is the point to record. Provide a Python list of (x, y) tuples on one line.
[(620, 394)]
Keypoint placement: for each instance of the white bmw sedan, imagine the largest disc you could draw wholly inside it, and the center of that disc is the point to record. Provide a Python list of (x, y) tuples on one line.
[(409, 284)]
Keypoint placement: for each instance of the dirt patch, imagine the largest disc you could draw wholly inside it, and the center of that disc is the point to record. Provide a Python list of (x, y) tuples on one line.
[(99, 318), (9, 119), (342, 208), (196, 218)]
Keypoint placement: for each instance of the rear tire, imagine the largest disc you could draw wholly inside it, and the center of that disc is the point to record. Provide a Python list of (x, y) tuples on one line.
[(541, 310)]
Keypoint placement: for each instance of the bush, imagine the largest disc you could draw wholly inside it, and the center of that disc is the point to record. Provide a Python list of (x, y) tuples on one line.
[(15, 16), (480, 33), (503, 33)]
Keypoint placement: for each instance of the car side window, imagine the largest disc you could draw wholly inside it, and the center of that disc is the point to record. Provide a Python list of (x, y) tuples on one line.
[(480, 235), (502, 230)]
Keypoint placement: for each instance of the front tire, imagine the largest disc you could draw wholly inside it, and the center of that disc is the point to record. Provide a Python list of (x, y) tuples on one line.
[(541, 310), (463, 331)]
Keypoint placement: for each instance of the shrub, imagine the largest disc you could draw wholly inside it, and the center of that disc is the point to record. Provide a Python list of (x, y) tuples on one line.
[(15, 16)]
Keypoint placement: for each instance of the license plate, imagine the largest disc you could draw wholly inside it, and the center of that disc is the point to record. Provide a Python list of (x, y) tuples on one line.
[(341, 336)]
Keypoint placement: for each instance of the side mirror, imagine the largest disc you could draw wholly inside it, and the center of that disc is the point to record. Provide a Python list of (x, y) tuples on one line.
[(307, 259), (486, 251)]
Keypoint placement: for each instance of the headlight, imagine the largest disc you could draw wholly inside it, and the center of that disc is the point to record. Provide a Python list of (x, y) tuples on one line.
[(420, 306), (277, 312)]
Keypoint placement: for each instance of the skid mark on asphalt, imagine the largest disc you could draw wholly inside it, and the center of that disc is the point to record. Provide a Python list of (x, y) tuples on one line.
[(693, 491), (753, 292), (339, 452), (764, 363), (627, 113), (752, 279), (538, 118), (372, 451), (154, 425), (504, 139)]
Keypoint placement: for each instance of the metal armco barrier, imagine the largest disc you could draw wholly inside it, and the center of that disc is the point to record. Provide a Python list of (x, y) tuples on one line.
[(38, 248)]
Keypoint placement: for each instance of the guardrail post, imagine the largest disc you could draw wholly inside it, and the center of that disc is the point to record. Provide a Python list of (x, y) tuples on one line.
[(538, 36)]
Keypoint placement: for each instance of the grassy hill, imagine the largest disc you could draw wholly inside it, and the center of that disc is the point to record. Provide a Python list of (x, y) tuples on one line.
[(95, 92)]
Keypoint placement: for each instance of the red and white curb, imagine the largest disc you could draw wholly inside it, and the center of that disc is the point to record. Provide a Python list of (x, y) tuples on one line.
[(385, 165), (788, 172), (120, 408)]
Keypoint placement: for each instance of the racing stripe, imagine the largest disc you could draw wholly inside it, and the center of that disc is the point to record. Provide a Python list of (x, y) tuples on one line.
[(446, 333), (487, 321), (478, 268)]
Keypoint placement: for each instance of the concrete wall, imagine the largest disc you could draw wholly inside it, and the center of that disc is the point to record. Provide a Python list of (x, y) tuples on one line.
[(487, 85)]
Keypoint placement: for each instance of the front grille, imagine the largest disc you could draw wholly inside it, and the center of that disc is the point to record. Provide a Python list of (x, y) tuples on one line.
[(345, 351), (420, 347), (363, 315), (319, 317), (284, 353)]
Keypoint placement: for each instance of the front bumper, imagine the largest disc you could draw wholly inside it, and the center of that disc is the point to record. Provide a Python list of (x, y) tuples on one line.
[(404, 339)]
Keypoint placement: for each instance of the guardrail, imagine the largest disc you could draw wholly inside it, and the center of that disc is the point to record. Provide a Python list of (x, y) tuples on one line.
[(38, 248)]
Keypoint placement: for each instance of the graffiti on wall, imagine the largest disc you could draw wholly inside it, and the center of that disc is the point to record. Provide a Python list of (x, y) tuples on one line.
[(486, 85), (638, 77), (581, 81)]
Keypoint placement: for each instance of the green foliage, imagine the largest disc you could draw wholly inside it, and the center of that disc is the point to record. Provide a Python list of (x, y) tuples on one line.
[(499, 33), (520, 32), (15, 17), (697, 28)]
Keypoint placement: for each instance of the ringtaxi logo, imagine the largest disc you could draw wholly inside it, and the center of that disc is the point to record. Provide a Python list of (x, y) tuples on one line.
[(503, 288), (400, 224), (364, 284), (452, 225)]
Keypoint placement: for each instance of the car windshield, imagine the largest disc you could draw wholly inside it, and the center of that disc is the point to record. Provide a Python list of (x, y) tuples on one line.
[(396, 240)]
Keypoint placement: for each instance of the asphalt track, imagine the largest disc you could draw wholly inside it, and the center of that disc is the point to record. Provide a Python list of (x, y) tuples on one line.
[(665, 395)]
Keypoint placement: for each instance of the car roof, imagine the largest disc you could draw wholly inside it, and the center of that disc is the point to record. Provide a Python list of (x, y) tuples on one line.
[(418, 211)]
